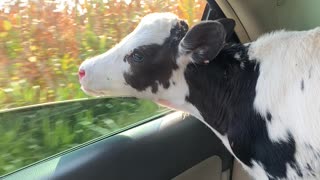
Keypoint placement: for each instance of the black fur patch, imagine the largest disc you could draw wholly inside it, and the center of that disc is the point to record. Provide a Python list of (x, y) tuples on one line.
[(158, 63), (302, 85), (223, 84), (269, 116), (224, 94)]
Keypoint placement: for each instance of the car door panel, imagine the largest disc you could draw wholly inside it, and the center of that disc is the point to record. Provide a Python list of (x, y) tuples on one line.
[(150, 151)]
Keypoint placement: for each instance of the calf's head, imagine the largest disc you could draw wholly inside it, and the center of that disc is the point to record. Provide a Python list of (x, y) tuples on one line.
[(150, 61)]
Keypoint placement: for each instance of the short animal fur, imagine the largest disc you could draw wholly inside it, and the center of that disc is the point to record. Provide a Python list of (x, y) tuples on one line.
[(261, 99)]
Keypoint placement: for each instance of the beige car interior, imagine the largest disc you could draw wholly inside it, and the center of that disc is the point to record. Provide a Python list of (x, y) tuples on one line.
[(254, 18)]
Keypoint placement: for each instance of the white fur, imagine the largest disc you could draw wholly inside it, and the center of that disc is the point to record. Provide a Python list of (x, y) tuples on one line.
[(108, 80), (258, 171), (287, 58), (237, 56)]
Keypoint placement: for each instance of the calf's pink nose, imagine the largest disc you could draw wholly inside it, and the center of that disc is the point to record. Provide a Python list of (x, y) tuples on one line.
[(81, 73)]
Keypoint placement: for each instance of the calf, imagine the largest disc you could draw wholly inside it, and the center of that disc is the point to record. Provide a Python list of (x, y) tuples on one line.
[(259, 98)]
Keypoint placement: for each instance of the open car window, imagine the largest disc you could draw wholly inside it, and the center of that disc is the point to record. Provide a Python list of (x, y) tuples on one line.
[(42, 109)]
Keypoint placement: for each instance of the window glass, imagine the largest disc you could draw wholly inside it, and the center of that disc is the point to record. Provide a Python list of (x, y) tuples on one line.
[(42, 43)]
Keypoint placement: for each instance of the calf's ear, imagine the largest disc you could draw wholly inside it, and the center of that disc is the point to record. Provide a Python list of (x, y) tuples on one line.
[(204, 41)]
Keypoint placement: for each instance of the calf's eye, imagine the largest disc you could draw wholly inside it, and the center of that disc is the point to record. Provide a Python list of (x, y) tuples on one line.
[(137, 57)]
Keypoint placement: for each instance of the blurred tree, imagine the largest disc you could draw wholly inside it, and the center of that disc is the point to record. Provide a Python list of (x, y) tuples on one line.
[(43, 42)]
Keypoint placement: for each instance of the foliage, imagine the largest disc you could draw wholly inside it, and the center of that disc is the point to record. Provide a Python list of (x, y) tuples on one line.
[(42, 43), (31, 134)]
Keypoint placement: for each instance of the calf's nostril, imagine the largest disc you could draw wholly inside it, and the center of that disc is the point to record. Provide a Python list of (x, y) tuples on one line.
[(81, 73)]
